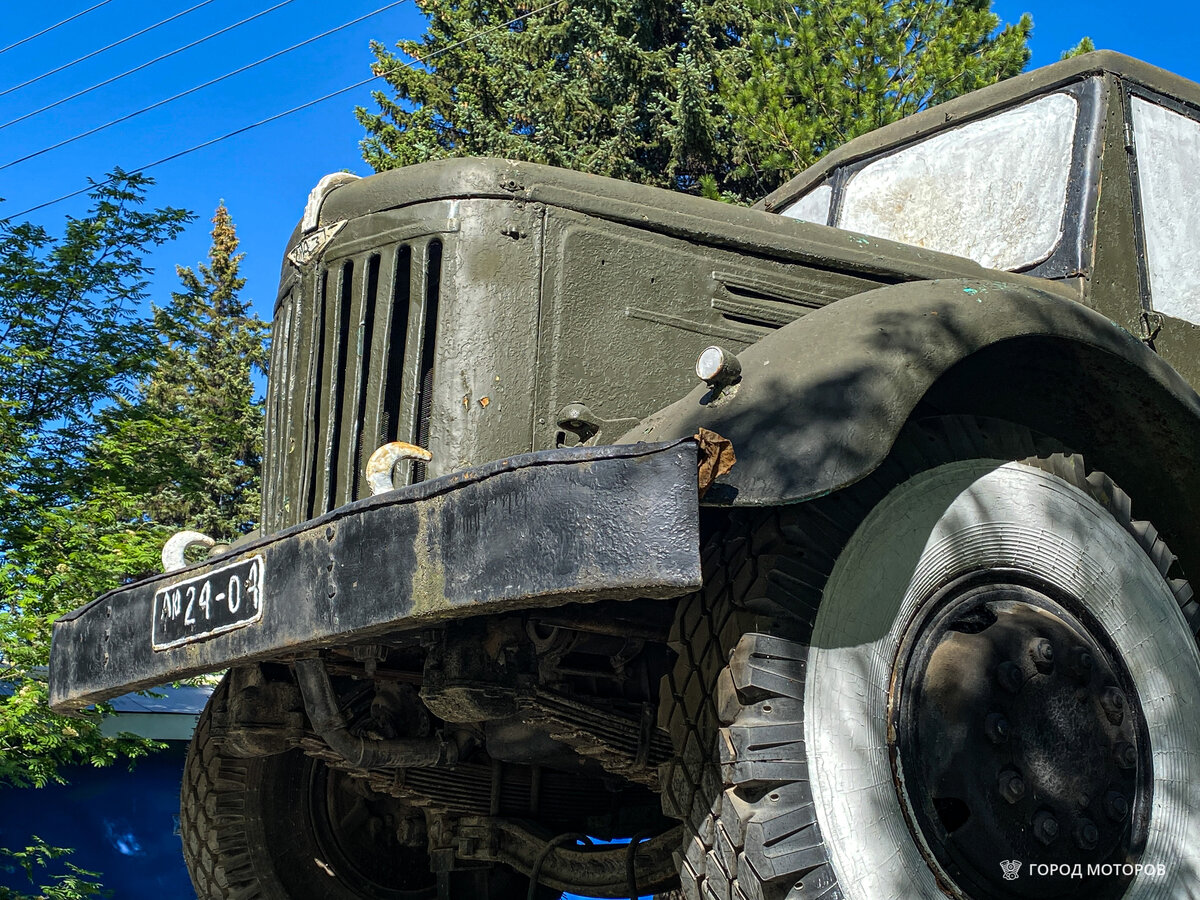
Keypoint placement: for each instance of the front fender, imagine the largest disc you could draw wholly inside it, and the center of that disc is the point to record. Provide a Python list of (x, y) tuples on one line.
[(822, 400)]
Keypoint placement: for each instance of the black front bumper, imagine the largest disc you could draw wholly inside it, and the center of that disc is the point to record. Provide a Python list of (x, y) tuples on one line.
[(541, 529)]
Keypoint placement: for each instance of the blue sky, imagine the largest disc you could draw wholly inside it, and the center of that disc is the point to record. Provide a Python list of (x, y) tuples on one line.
[(264, 175)]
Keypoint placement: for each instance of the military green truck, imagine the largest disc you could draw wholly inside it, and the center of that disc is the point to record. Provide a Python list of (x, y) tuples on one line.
[(623, 542)]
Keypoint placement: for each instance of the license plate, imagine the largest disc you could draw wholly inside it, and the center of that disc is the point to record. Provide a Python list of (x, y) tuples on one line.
[(221, 600)]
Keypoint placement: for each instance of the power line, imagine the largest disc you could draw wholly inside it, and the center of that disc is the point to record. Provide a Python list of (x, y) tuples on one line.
[(26, 40), (199, 87), (144, 65), (295, 109), (123, 40)]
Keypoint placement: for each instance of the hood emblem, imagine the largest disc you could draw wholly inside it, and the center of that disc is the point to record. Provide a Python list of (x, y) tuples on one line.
[(312, 245)]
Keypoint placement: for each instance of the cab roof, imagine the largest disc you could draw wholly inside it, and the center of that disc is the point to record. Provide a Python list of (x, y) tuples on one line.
[(982, 102)]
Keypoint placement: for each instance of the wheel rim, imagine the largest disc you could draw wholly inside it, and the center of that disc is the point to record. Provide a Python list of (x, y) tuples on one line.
[(1017, 734), (373, 845)]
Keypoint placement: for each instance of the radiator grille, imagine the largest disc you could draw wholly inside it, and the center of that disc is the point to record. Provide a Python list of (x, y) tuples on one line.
[(351, 368)]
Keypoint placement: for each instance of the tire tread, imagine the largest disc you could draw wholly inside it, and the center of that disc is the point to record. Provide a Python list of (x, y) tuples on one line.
[(738, 711)]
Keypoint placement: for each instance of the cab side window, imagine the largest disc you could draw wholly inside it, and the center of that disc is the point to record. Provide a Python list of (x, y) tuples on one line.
[(1167, 144)]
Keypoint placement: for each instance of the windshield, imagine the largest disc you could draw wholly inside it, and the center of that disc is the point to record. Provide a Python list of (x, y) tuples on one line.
[(993, 190)]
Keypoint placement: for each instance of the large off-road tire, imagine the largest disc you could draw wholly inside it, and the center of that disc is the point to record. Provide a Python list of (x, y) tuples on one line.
[(860, 709), (288, 827)]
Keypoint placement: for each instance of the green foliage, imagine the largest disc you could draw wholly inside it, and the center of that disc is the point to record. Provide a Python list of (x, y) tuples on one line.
[(1085, 45), (119, 428), (189, 450), (726, 98), (72, 884), (614, 87), (71, 336), (809, 77), (72, 341)]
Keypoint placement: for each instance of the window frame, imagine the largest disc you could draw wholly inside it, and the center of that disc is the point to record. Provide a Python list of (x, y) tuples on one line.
[(1129, 90), (1071, 255)]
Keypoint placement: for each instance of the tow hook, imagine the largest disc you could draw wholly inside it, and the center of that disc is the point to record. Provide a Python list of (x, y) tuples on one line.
[(173, 550), (381, 466)]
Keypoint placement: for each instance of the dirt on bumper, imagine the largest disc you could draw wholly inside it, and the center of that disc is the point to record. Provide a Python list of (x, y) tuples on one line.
[(535, 530)]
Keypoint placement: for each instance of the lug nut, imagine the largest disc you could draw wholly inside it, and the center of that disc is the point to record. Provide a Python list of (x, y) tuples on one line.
[(1113, 702), (1087, 835), (1045, 827), (1081, 663), (1009, 676), (1042, 652), (1012, 785), (997, 728), (1116, 806), (1125, 755)]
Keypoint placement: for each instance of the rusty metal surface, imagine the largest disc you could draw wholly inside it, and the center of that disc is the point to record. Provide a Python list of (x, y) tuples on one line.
[(540, 529)]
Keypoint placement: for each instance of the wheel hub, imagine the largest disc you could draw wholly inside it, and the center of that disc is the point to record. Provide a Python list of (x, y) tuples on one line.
[(1017, 735), (371, 844)]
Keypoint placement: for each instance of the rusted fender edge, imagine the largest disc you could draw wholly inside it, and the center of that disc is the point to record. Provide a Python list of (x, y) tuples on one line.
[(822, 400), (536, 530)]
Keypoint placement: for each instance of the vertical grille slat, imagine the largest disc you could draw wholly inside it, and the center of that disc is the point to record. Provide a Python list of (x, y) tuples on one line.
[(291, 424), (318, 413), (308, 366), (275, 402), (370, 430), (279, 410), (428, 355), (341, 384), (410, 379), (395, 341)]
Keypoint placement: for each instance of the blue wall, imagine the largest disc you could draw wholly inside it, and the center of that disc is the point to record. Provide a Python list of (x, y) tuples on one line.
[(121, 823)]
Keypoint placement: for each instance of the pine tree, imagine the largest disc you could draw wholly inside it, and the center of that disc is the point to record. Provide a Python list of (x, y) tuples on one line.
[(809, 77), (727, 97), (189, 450), (614, 87), (1085, 45)]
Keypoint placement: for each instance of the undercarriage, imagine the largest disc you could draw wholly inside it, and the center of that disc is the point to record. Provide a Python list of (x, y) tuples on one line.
[(529, 741)]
